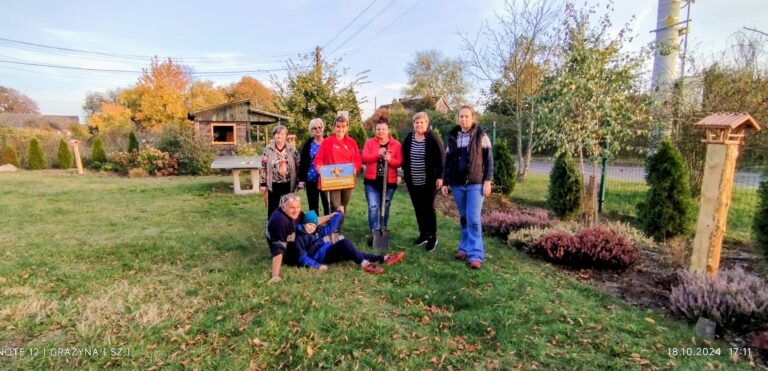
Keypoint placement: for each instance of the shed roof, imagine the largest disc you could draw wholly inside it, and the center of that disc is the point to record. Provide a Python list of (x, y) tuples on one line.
[(728, 120), (238, 111)]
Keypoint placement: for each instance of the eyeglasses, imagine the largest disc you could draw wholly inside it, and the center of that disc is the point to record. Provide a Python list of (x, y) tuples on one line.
[(316, 128)]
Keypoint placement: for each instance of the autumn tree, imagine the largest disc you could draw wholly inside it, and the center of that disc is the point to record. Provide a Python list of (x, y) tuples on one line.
[(202, 94), (161, 91), (248, 87), (431, 75), (512, 56), (319, 91), (13, 101), (588, 106)]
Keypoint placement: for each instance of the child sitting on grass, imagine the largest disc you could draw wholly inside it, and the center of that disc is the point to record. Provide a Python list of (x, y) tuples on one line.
[(313, 247)]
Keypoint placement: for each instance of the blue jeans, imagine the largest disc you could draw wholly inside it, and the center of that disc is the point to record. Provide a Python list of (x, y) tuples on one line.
[(373, 195), (469, 200)]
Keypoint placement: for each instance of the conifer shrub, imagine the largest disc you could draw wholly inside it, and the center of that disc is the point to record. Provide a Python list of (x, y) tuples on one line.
[(760, 222), (36, 156), (734, 299), (565, 185), (357, 133), (666, 211), (133, 142), (9, 156), (64, 156), (500, 223), (98, 156), (504, 171)]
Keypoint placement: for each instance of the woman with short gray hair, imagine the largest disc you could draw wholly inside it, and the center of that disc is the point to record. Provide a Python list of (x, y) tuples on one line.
[(278, 168), (308, 175)]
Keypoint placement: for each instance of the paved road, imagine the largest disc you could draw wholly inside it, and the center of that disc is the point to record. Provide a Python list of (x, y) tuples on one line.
[(637, 174)]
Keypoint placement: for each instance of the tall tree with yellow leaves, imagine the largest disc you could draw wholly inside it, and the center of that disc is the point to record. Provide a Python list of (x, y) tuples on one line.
[(261, 96), (202, 94), (161, 89)]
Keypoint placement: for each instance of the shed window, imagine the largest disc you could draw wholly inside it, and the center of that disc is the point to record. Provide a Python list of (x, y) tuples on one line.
[(223, 133)]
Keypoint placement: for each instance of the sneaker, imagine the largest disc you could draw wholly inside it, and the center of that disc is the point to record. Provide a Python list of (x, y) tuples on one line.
[(460, 256), (475, 264), (420, 241), (373, 269), (431, 244), (394, 259)]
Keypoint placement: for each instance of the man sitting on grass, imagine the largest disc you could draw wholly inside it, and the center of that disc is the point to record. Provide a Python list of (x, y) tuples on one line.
[(314, 248)]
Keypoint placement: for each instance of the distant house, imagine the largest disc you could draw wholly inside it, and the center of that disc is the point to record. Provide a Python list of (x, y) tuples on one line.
[(435, 103), (231, 124), (46, 122)]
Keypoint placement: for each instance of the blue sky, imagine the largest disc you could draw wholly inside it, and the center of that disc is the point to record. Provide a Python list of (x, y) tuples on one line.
[(259, 35)]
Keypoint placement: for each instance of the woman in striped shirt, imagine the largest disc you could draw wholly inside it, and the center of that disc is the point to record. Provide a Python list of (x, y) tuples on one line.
[(423, 155)]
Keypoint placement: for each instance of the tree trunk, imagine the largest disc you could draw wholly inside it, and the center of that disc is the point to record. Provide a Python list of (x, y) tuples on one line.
[(520, 159)]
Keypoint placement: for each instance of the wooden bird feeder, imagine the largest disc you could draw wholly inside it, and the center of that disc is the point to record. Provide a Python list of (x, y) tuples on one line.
[(724, 133)]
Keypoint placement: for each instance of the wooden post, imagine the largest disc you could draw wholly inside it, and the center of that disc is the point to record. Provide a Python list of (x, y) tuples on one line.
[(716, 188), (78, 161)]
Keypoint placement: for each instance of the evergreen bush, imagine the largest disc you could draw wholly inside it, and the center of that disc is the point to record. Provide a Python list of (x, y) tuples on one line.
[(98, 156), (36, 156), (9, 156), (667, 209), (760, 223), (565, 187), (64, 156), (133, 142), (193, 155), (504, 171)]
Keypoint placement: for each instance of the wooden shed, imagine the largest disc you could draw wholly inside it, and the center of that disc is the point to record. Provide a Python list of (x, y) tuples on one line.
[(231, 124)]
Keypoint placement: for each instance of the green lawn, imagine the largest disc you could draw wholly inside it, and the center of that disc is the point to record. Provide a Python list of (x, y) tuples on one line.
[(622, 198), (172, 272)]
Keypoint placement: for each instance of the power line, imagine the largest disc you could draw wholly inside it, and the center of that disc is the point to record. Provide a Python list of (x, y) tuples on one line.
[(364, 26), (349, 24), (201, 73), (387, 26)]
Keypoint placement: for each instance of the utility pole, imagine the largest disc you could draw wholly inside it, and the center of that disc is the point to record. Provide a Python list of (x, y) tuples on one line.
[(318, 61), (664, 67)]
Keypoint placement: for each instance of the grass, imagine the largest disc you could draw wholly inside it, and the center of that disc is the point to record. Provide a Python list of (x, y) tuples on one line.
[(622, 197), (172, 272)]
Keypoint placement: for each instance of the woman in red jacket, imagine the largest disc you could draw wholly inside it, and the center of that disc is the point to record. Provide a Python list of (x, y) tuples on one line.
[(380, 149), (338, 149)]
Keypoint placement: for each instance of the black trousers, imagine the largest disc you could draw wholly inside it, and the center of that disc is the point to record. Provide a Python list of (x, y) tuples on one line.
[(314, 195), (344, 250), (423, 200), (273, 196)]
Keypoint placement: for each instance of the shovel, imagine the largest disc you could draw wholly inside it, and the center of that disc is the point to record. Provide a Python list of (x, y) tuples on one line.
[(381, 236)]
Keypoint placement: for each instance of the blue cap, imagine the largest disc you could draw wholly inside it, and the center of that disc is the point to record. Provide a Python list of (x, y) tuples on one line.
[(310, 217)]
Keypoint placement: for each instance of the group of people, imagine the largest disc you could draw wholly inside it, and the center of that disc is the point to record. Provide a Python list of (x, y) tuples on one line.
[(464, 168)]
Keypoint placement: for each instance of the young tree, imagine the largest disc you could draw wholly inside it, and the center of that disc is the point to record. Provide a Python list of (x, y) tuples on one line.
[(13, 101), (430, 75), (133, 142), (36, 156), (9, 156), (504, 172), (315, 92), (589, 105), (64, 156), (667, 209), (760, 222), (565, 187), (512, 57)]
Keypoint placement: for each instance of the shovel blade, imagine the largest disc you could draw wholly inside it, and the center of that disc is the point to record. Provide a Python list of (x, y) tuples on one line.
[(381, 239)]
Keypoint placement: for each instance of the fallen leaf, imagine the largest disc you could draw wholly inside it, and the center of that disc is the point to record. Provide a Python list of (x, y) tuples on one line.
[(310, 351), (258, 343), (650, 320)]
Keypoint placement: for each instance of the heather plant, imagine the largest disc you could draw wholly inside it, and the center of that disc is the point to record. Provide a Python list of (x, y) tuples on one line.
[(604, 248), (667, 209), (524, 237), (565, 187), (500, 223), (98, 156), (504, 172), (760, 221), (36, 156), (64, 156), (596, 247), (9, 156), (734, 299), (133, 142), (636, 236)]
